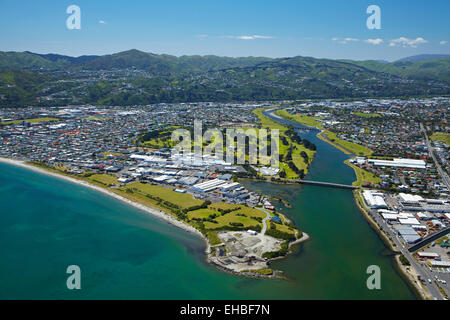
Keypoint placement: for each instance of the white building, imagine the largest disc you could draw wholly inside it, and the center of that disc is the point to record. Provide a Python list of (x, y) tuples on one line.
[(399, 162), (374, 199), (208, 185)]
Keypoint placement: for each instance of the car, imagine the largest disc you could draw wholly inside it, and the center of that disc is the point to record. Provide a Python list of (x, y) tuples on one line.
[(429, 280)]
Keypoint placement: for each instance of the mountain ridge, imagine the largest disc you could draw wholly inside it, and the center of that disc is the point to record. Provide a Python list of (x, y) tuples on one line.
[(147, 78)]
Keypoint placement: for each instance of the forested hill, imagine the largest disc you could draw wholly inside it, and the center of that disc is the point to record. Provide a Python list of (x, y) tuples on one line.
[(136, 77)]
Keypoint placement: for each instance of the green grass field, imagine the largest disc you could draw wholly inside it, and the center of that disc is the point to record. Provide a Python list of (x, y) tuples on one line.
[(182, 200), (441, 136), (367, 115), (300, 118), (351, 147), (297, 159), (229, 218), (36, 120), (363, 176), (105, 179), (201, 213)]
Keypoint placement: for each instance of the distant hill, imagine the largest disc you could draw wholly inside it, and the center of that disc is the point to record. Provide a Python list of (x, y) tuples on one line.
[(157, 63), (20, 87), (23, 60), (420, 67), (432, 69), (421, 57), (27, 78), (64, 60)]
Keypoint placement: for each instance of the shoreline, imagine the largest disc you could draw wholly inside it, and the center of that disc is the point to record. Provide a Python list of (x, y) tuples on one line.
[(166, 217), (146, 209), (407, 276)]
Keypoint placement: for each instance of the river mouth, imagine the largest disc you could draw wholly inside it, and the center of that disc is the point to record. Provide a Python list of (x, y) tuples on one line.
[(126, 254), (342, 244)]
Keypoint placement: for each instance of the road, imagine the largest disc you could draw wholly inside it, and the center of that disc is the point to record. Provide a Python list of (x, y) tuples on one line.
[(423, 271), (264, 221), (442, 173)]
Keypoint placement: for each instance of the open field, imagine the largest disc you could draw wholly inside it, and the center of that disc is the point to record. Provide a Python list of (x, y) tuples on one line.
[(300, 118), (182, 200), (367, 115), (226, 215), (232, 218), (350, 147), (201, 214), (328, 136), (441, 136), (105, 179), (363, 176), (36, 120)]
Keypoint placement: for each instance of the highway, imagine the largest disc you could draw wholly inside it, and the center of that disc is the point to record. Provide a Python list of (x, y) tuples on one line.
[(422, 270), (444, 176)]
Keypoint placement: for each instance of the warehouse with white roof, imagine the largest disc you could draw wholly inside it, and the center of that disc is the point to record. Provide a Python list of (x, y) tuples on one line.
[(399, 162), (207, 185), (374, 199)]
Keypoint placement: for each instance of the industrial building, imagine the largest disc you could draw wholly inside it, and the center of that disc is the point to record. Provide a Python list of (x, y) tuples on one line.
[(439, 264), (207, 185), (399, 163), (411, 202), (427, 255), (408, 234), (374, 199)]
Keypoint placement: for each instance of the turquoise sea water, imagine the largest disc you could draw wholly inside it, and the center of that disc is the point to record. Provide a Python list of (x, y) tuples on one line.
[(47, 224)]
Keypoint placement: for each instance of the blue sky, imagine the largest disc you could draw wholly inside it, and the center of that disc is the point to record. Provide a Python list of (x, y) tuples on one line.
[(275, 28)]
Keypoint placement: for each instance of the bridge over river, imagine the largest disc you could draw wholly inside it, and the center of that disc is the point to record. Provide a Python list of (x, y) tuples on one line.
[(327, 184), (323, 184)]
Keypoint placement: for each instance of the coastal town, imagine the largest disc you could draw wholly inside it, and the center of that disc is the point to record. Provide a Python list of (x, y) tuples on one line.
[(398, 149), (121, 150)]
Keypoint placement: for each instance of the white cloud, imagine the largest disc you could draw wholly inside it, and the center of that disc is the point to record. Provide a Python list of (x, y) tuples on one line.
[(443, 42), (248, 37), (102, 22), (375, 42), (344, 40), (406, 42), (202, 36)]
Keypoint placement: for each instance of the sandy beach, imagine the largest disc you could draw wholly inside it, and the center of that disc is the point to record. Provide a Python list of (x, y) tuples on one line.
[(146, 209), (149, 210)]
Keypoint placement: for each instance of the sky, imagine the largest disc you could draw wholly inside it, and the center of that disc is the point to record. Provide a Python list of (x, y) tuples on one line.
[(335, 29)]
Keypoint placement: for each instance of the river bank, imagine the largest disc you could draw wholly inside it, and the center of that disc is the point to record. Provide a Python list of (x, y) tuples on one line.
[(407, 272), (407, 275)]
